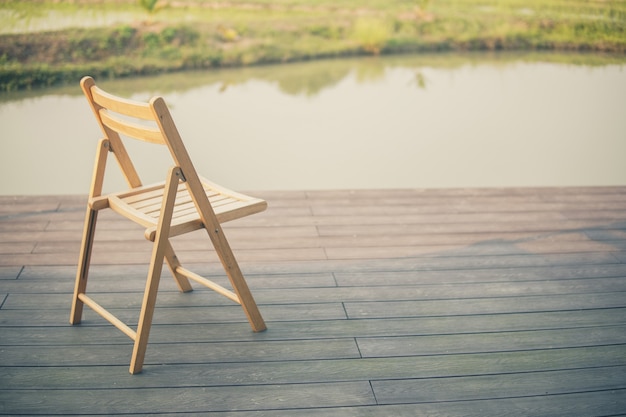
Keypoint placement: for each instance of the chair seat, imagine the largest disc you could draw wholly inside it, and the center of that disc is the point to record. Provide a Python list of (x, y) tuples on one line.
[(143, 206)]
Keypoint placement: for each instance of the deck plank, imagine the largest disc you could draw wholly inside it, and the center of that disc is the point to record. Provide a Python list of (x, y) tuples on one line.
[(96, 331), (486, 387), (190, 399), (219, 373), (450, 302)]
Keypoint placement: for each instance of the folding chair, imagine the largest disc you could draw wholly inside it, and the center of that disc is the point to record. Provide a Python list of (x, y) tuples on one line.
[(184, 202)]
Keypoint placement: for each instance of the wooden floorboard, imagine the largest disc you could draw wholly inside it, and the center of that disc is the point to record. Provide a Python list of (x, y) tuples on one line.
[(449, 302)]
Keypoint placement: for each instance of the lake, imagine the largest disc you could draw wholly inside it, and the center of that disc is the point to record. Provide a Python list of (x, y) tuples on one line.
[(429, 121)]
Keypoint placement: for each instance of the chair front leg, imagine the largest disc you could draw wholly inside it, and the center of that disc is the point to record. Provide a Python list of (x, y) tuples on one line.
[(159, 250), (237, 280)]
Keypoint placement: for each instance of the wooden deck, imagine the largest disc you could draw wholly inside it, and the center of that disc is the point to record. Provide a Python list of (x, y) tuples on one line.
[(468, 302)]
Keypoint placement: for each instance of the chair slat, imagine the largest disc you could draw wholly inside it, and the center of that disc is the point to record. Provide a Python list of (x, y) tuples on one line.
[(121, 105), (146, 193), (190, 222), (134, 130), (153, 205), (127, 211)]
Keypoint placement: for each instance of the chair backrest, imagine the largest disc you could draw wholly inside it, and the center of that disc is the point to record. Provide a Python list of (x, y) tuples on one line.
[(149, 122), (115, 116)]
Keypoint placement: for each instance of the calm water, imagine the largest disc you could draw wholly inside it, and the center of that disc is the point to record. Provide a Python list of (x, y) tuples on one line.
[(443, 121)]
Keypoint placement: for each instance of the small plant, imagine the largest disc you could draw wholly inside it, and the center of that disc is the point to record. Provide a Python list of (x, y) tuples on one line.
[(371, 34), (149, 5), (120, 38), (151, 40), (326, 31), (227, 34)]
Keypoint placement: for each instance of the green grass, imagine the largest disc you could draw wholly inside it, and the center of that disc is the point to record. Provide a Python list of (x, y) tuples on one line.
[(47, 42)]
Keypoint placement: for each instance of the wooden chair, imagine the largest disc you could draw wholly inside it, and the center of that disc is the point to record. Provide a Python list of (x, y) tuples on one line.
[(182, 203)]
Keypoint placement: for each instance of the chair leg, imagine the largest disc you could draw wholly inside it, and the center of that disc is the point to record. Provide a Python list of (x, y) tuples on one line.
[(173, 263), (160, 249), (89, 230), (238, 282), (147, 307), (83, 265), (247, 301)]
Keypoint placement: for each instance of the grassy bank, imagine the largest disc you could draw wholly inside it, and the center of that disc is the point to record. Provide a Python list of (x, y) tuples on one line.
[(48, 42)]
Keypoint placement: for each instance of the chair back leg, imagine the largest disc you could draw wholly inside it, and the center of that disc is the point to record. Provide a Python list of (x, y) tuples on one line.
[(173, 263), (82, 273)]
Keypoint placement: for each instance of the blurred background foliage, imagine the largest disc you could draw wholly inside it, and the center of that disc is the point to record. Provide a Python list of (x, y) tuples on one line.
[(47, 42)]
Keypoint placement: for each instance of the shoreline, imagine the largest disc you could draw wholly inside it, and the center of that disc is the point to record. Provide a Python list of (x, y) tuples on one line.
[(239, 37)]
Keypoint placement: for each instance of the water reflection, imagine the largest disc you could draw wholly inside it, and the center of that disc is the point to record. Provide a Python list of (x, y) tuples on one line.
[(427, 121)]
